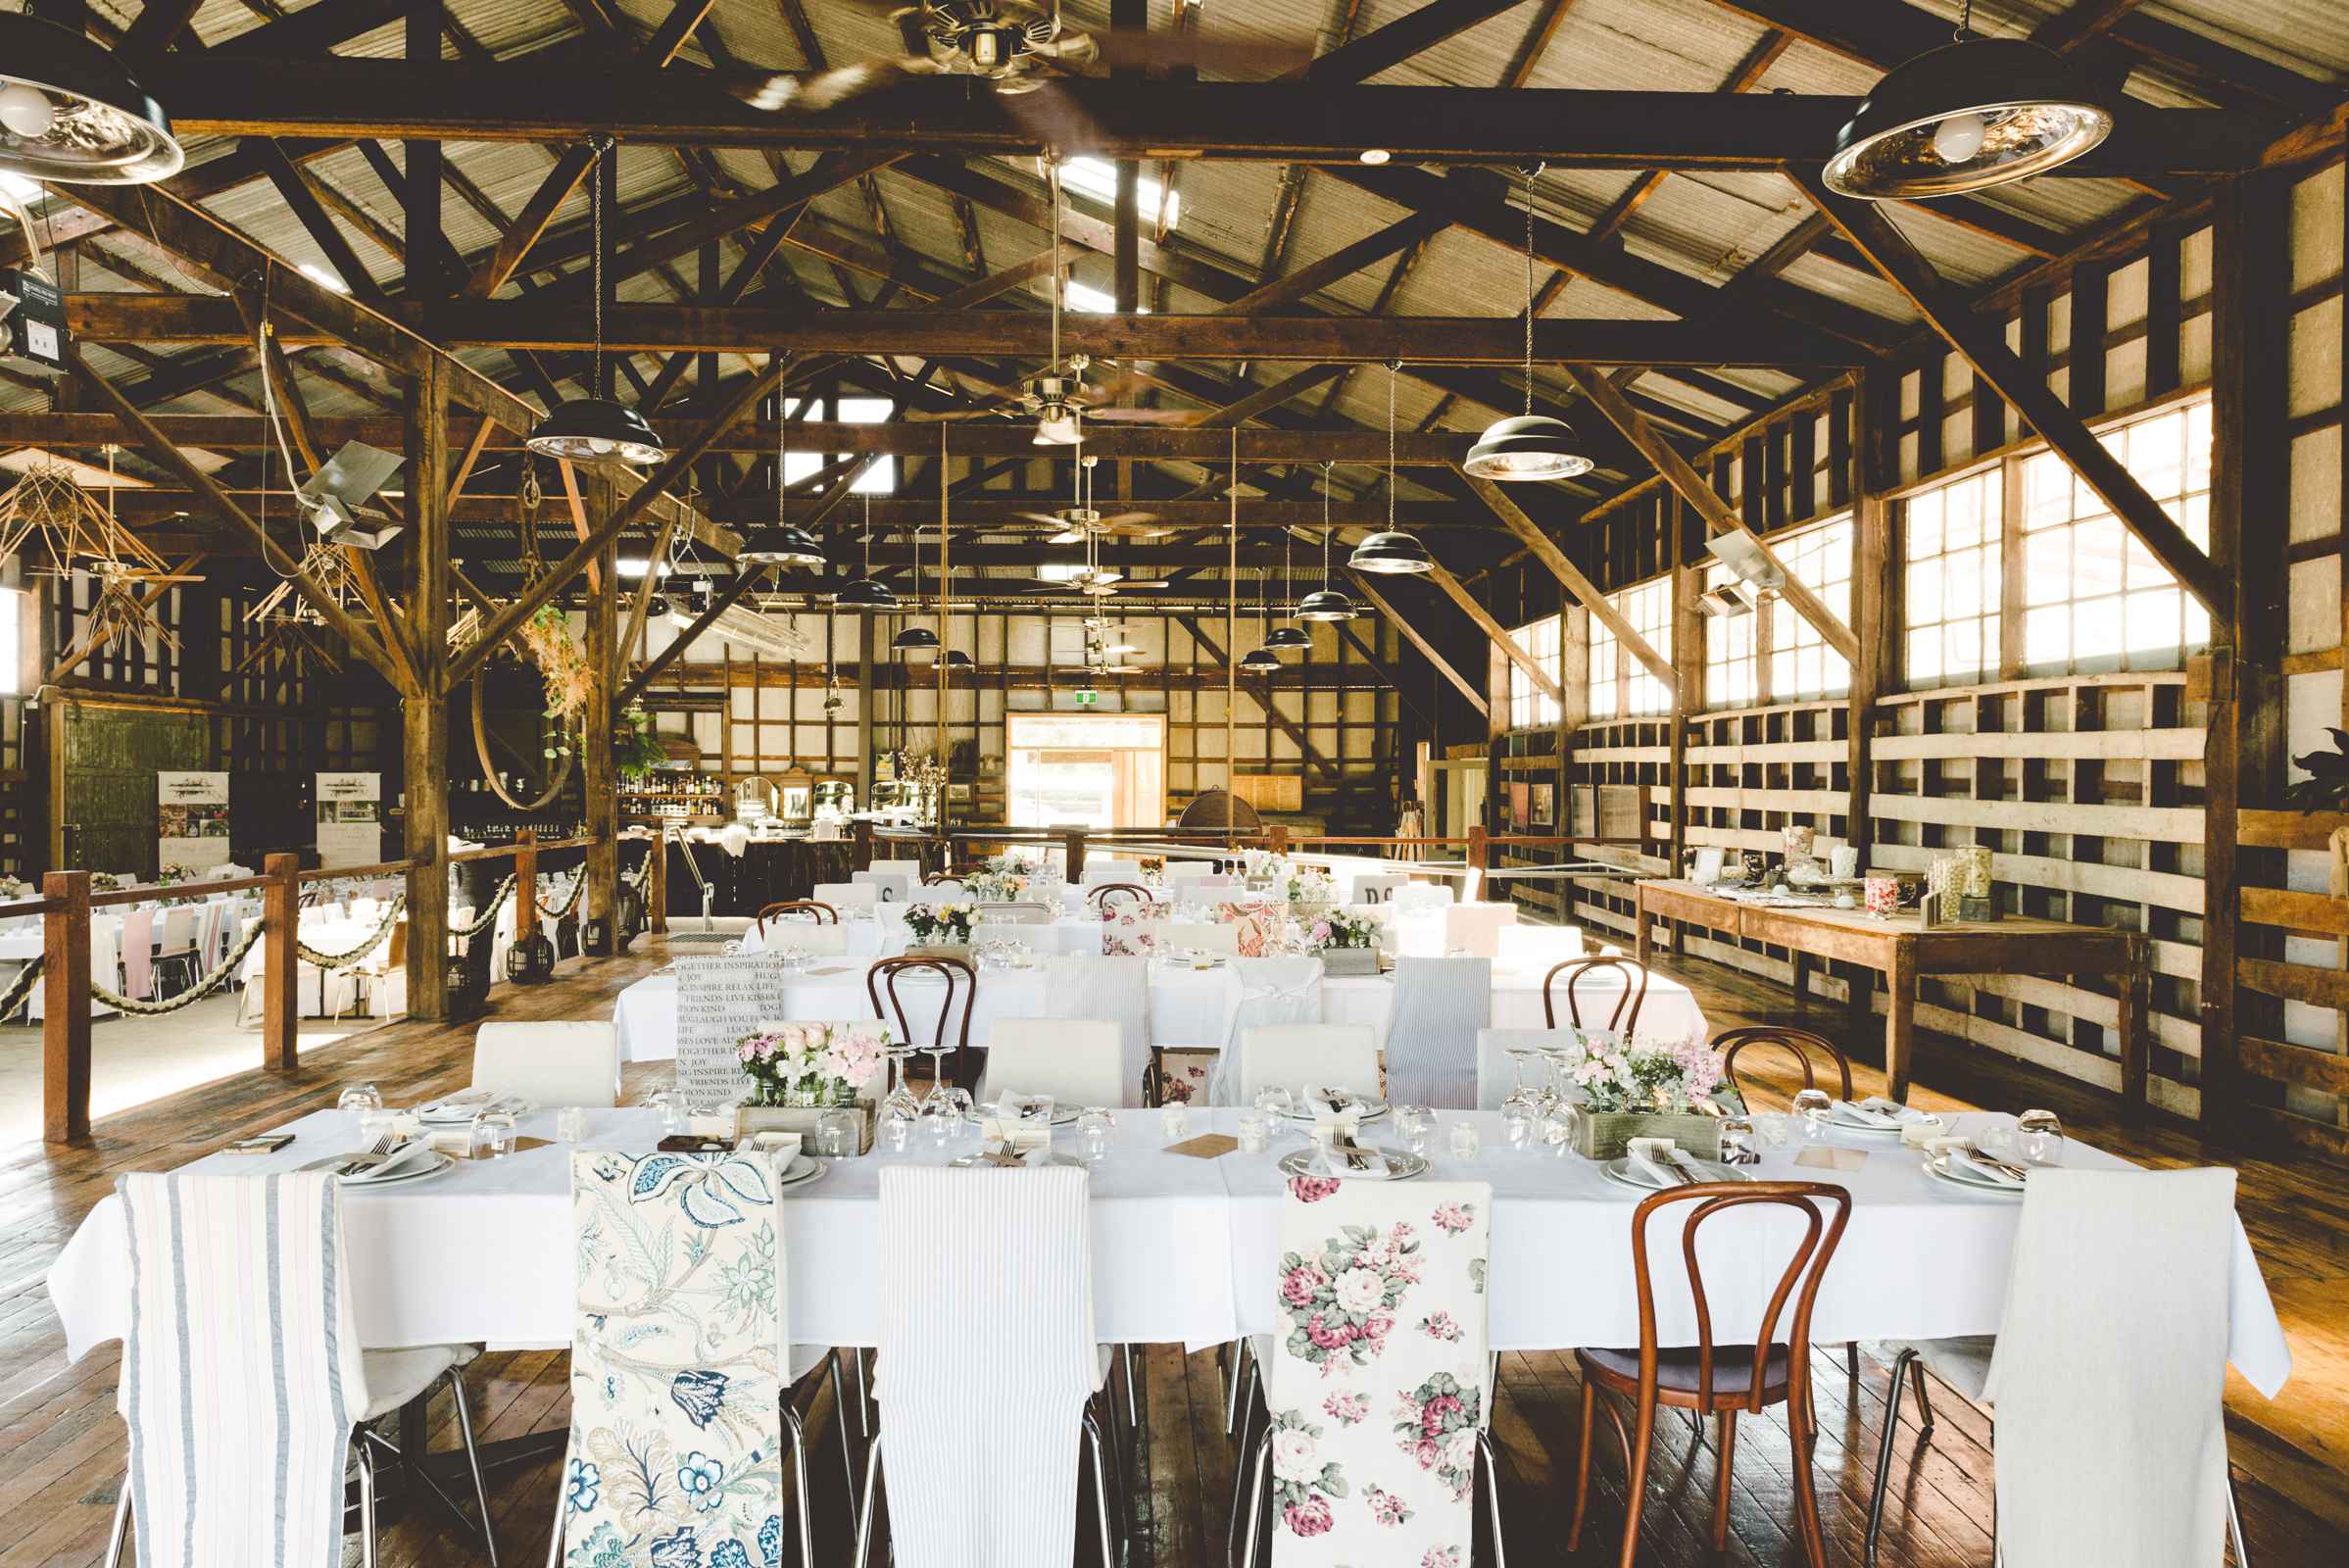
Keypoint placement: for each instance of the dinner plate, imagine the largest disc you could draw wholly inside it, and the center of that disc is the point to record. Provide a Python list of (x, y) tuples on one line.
[(1062, 1115), (1371, 1110), (802, 1170), (1940, 1172), (1623, 1172), (1402, 1166), (431, 1165), (1939, 1125)]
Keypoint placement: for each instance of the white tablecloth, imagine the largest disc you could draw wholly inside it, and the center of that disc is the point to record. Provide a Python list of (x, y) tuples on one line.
[(1184, 1251), (1186, 1006)]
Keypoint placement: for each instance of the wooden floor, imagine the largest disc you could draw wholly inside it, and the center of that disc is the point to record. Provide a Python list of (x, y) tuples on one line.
[(62, 1445)]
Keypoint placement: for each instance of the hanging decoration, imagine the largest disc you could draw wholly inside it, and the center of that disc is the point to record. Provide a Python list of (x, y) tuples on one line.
[(49, 503)]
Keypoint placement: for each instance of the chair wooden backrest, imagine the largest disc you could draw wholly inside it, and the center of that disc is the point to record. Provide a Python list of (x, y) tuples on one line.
[(1625, 1017), (883, 976), (1800, 1281), (820, 914), (1801, 1043), (1099, 895)]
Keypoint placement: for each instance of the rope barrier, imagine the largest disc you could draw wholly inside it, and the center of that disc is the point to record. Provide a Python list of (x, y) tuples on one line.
[(21, 988), (578, 885), (350, 955), (204, 987), (481, 921)]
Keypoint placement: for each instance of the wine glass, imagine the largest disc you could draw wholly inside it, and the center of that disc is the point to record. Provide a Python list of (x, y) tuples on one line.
[(936, 1051), (898, 1114), (1277, 1104), (1517, 1122), (2040, 1138), (1094, 1129), (670, 1105), (1814, 1107), (1559, 1126)]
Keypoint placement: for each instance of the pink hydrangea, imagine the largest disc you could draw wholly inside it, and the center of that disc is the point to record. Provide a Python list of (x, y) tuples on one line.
[(1453, 1218), (1346, 1408)]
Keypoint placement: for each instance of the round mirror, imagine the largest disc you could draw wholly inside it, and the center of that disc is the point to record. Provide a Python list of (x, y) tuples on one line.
[(757, 800)]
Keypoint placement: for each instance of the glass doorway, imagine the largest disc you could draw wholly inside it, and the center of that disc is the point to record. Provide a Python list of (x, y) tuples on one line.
[(1097, 770)]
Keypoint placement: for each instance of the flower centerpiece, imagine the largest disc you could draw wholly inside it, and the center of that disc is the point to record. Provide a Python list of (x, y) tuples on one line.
[(1002, 880), (1261, 868), (1642, 1088), (104, 882), (14, 887), (940, 925), (1348, 943), (798, 1072), (1311, 891)]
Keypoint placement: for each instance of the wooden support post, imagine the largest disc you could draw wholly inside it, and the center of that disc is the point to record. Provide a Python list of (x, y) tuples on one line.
[(1688, 697), (1073, 857), (281, 964), (525, 887), (603, 661), (66, 1005), (861, 842), (657, 884), (1480, 856), (425, 726)]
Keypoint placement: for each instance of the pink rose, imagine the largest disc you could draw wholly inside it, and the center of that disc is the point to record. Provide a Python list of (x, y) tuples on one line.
[(1299, 1289), (1326, 1337), (1312, 1189), (1308, 1518), (1427, 1452)]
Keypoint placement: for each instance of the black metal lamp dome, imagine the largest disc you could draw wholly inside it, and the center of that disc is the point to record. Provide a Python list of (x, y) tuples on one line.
[(1259, 661), (915, 640), (1391, 551), (1289, 640), (1970, 115), (1529, 446), (597, 428), (1327, 603), (777, 544), (957, 659), (864, 593), (72, 114)]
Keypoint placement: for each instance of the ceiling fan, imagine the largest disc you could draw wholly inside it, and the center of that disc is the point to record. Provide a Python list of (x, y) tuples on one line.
[(1083, 521), (1092, 577)]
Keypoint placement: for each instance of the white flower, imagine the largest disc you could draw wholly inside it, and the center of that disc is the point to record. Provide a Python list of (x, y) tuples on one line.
[(1361, 1290), (1295, 1457), (1459, 1449)]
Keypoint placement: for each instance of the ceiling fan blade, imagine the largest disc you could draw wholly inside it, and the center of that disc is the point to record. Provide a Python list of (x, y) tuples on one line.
[(1072, 48), (1067, 536), (1052, 118), (1176, 416), (778, 92), (1134, 48), (1136, 530)]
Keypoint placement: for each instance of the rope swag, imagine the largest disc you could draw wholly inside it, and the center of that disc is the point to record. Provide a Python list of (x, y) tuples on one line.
[(350, 955), (204, 987), (488, 914), (578, 885), (20, 987)]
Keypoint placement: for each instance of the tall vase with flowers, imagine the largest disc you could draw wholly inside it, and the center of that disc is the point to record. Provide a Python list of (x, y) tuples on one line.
[(798, 1072)]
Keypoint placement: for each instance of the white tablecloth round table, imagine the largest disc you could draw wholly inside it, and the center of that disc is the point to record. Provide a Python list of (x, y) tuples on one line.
[(1186, 1005), (1184, 1251)]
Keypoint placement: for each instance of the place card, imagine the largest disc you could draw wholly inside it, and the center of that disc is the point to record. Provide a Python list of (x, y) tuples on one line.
[(1206, 1146), (1832, 1157)]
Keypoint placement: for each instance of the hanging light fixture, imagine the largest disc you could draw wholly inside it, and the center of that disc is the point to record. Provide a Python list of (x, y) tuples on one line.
[(1970, 115), (779, 544), (913, 639), (1059, 399), (1531, 446), (1287, 639), (1390, 551), (1326, 603), (74, 114), (598, 428), (865, 592)]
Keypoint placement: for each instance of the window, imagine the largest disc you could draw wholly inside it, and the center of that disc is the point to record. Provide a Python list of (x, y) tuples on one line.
[(1802, 664), (1096, 178), (1648, 607), (1950, 541), (1732, 671), (2094, 598), (882, 477), (1605, 661), (1094, 301), (1528, 705)]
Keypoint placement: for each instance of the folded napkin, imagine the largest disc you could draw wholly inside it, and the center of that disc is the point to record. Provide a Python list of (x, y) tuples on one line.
[(783, 1147), (1878, 1112), (408, 1154), (1976, 1166), (1344, 1157), (467, 1104), (1020, 1123)]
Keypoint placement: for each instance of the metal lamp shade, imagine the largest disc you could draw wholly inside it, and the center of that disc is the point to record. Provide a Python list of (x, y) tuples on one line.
[(1289, 640), (1327, 603), (1392, 553), (1259, 661), (1527, 447), (1966, 117), (957, 659), (779, 544), (863, 593), (597, 431), (915, 640), (72, 114)]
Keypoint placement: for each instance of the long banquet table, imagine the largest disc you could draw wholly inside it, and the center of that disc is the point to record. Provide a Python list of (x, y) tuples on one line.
[(1183, 1249), (1186, 1005)]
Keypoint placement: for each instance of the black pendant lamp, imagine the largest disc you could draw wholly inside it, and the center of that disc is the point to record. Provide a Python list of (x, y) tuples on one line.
[(1531, 446), (1287, 639), (915, 639), (71, 114), (1390, 551), (1327, 603), (598, 429), (865, 592), (778, 543), (1970, 115)]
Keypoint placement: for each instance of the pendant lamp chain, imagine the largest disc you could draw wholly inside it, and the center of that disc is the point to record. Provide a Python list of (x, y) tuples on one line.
[(595, 206), (1965, 26), (1531, 169), (1393, 366), (1326, 482)]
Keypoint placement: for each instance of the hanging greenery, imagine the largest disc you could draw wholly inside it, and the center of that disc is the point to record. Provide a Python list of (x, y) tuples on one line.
[(562, 662), (635, 750)]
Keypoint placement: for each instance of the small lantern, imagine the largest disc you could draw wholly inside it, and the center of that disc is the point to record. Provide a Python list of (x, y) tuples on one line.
[(530, 962)]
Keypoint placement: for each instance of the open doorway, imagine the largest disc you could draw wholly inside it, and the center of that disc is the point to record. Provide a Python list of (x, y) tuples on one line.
[(1102, 770)]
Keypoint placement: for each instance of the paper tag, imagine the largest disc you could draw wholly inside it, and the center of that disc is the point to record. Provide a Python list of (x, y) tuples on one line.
[(1206, 1146), (1832, 1157)]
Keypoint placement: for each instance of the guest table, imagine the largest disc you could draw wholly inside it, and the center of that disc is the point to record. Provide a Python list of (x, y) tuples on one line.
[(1184, 1251), (1904, 949)]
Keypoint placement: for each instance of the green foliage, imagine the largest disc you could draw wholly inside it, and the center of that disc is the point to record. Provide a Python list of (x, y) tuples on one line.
[(636, 751)]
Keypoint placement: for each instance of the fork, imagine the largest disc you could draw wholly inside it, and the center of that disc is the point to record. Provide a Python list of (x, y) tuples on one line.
[(366, 1156)]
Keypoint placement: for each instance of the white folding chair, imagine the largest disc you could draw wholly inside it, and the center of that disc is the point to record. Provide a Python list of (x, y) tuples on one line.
[(1022, 911), (848, 898), (178, 948), (817, 939), (1183, 870), (889, 886), (1474, 929), (1439, 1005), (550, 1064), (1299, 1056), (1422, 896), (1075, 1060), (1090, 985), (1099, 870), (911, 870), (1537, 946), (1257, 992)]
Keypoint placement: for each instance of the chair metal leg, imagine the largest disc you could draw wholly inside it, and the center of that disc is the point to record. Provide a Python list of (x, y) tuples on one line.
[(865, 1400), (1101, 1486), (563, 1509), (1582, 1475), (366, 1506), (839, 1419), (1244, 1381), (1501, 1546), (118, 1536), (1255, 1503), (473, 1460), (864, 1510), (1884, 1453), (1125, 1354), (798, 1480), (2234, 1528), (1235, 1359), (1925, 1401)]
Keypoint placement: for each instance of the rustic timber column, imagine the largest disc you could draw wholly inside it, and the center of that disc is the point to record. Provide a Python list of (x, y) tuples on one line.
[(424, 727), (656, 883), (65, 1006), (604, 656), (525, 888), (281, 962)]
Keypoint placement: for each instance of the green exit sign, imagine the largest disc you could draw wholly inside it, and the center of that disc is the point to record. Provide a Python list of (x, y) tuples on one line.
[(1088, 698)]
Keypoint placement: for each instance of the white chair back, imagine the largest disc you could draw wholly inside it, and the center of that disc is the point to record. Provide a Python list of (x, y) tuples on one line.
[(1301, 1056), (2116, 1303), (826, 939), (1475, 929), (1375, 889), (947, 891), (1259, 992), (1006, 1257), (1422, 896), (848, 898), (1099, 870), (1208, 936), (550, 1064), (138, 955), (1215, 886), (1091, 986), (1075, 1060), (1019, 912), (1440, 1004), (1182, 870), (909, 869), (240, 1419), (1537, 946), (1497, 1072), (889, 886)]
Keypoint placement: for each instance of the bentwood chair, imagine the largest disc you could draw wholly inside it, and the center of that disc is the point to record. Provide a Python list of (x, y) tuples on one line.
[(1721, 1380), (959, 977), (1101, 892), (1814, 1054), (1626, 1014), (799, 909)]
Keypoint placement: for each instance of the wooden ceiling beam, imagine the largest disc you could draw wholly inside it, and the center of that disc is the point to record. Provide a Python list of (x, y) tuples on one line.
[(1496, 633), (1342, 262), (1427, 650), (1570, 576)]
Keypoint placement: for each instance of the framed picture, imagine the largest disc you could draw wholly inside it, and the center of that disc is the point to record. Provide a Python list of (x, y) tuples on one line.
[(1521, 802), (1545, 809)]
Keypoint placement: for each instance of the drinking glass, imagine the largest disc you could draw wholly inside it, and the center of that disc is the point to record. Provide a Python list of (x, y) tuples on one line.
[(940, 1117), (898, 1116), (1415, 1125), (1557, 1127), (836, 1133), (1256, 1132), (1517, 1122), (665, 1101), (1174, 1121), (936, 1051), (1738, 1142), (1998, 1136), (570, 1124), (493, 1134), (1094, 1129), (1465, 1140), (358, 1100), (2040, 1138), (1277, 1104), (1814, 1107)]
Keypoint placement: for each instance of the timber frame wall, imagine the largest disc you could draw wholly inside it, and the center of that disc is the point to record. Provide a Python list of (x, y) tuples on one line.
[(2148, 800)]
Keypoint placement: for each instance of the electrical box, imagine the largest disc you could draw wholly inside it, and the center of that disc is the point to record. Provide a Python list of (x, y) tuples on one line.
[(32, 320)]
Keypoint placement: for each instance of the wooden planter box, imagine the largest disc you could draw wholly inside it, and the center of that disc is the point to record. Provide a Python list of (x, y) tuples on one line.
[(804, 1120), (1607, 1135), (1342, 962)]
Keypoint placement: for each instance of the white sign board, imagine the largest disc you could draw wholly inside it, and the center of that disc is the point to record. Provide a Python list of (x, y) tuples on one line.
[(350, 818), (191, 820), (720, 1000)]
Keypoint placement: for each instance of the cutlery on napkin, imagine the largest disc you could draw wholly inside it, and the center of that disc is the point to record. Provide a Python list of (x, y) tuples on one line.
[(1657, 1158), (1343, 1156), (1878, 1112), (400, 1158)]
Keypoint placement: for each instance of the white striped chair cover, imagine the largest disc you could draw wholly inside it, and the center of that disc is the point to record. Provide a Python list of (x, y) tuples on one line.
[(987, 1359), (1260, 992), (1091, 985), (241, 1375), (1440, 1004)]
